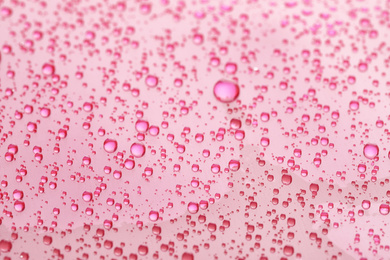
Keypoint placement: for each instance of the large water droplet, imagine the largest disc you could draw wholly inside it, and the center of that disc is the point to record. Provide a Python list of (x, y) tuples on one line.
[(370, 151), (110, 145), (226, 91), (137, 150)]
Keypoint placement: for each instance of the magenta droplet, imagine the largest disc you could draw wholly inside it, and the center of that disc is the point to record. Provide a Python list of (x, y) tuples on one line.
[(5, 246), (151, 81), (110, 145), (384, 209), (193, 207), (234, 165), (226, 91), (87, 196), (354, 105), (153, 215), (143, 250), (370, 151), (45, 112), (142, 126), (137, 150), (48, 69), (288, 250), (366, 204), (19, 206)]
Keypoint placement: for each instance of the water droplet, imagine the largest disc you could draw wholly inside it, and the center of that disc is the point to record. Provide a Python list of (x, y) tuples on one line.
[(143, 250), (19, 206), (110, 145), (384, 209), (370, 151), (226, 91), (366, 204), (153, 216), (48, 69), (151, 81), (193, 207), (288, 250), (137, 150), (5, 246)]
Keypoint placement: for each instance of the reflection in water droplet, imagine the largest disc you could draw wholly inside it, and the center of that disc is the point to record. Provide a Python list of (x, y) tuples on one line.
[(370, 151), (110, 145), (226, 91)]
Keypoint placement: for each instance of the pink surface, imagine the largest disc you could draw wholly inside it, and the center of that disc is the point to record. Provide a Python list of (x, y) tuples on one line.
[(194, 129)]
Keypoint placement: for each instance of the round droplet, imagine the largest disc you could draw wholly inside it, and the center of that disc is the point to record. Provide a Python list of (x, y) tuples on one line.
[(153, 215), (288, 250), (286, 179), (87, 196), (137, 150), (45, 112), (354, 105), (384, 209), (110, 145), (366, 204), (234, 165), (48, 69), (264, 141), (47, 240), (370, 151), (187, 256), (142, 126), (19, 206), (143, 250), (5, 246), (226, 91), (151, 81), (193, 207)]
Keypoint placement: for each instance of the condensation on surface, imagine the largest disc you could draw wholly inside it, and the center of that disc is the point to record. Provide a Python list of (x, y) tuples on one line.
[(194, 129)]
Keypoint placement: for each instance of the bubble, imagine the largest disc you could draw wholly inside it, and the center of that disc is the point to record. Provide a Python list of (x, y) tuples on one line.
[(137, 150), (110, 145), (226, 91), (370, 151)]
